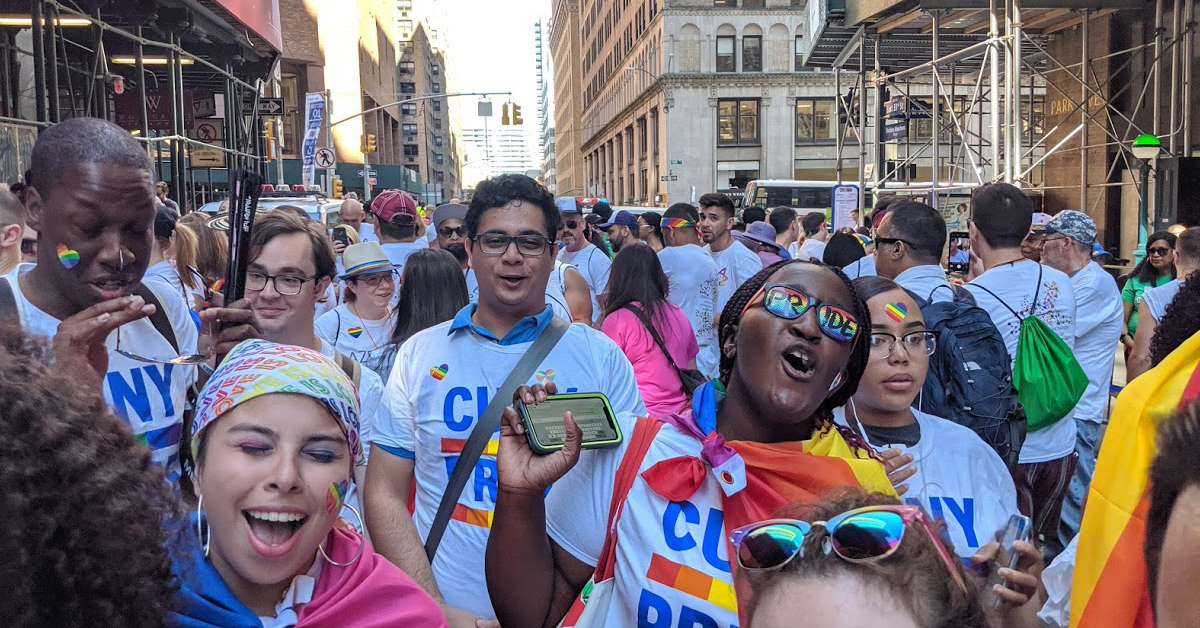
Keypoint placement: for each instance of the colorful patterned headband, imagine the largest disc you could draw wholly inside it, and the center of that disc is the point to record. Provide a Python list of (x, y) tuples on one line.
[(678, 223), (257, 367)]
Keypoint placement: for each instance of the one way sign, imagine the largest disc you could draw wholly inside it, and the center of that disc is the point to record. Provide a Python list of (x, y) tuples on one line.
[(267, 107)]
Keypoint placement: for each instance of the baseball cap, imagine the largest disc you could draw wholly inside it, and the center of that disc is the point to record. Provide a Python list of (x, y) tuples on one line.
[(1040, 220), (1075, 225), (449, 211), (603, 210), (567, 205), (623, 218), (390, 204)]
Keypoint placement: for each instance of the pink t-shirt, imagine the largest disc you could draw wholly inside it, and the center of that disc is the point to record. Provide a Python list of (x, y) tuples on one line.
[(657, 381)]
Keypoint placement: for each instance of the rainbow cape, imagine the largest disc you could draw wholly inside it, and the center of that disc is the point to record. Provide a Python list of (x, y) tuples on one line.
[(1109, 588)]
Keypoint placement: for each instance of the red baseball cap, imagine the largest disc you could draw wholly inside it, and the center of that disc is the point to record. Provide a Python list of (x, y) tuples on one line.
[(392, 203)]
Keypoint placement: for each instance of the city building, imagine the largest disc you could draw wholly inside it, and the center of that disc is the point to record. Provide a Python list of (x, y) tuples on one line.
[(567, 63), (545, 108), (499, 149)]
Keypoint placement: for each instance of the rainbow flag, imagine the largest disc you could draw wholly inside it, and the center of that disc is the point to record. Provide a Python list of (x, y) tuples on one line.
[(1109, 588)]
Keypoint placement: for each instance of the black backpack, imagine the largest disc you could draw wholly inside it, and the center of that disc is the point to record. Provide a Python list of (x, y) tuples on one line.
[(970, 374)]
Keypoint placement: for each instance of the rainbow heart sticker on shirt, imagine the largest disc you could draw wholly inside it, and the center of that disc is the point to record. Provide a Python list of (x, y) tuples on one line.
[(545, 376), (354, 332), (438, 372), (67, 256), (896, 311)]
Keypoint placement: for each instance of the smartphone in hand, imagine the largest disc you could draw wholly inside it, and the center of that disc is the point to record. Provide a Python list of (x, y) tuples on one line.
[(544, 421), (1019, 528), (958, 257)]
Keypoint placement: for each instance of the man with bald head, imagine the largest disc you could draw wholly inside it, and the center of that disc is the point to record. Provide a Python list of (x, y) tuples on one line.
[(351, 214)]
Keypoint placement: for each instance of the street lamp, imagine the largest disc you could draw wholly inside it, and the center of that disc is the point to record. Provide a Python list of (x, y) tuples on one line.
[(1145, 147)]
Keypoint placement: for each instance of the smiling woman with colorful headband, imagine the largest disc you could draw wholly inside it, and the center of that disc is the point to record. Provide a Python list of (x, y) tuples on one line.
[(275, 441)]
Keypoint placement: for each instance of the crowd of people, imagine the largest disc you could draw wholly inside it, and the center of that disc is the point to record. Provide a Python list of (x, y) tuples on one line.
[(817, 426)]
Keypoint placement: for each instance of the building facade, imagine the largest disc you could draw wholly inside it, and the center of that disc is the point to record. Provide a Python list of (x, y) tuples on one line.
[(498, 150), (427, 127), (567, 64), (545, 107)]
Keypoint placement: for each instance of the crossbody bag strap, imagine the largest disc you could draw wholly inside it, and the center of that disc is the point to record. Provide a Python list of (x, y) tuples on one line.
[(649, 325), (1014, 312), (639, 443), (486, 426)]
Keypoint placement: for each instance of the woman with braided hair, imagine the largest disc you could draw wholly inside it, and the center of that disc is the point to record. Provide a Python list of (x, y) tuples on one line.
[(792, 349)]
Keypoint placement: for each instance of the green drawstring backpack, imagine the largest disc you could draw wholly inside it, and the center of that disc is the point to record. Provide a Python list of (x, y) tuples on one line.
[(1048, 378)]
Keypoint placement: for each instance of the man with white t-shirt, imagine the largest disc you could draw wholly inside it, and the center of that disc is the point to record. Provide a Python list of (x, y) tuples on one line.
[(691, 281), (91, 199), (735, 262), (1099, 316), (580, 253), (908, 249), (1001, 215), (401, 230), (445, 377), (816, 235)]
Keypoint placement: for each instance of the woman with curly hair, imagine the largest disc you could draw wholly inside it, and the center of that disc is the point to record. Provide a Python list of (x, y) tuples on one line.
[(1180, 321), (275, 442), (86, 516), (793, 349)]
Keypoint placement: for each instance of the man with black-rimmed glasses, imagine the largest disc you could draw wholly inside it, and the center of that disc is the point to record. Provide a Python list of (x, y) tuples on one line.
[(445, 376)]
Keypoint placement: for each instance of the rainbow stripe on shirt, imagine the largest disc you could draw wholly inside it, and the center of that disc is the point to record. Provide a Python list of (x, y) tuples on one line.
[(692, 581)]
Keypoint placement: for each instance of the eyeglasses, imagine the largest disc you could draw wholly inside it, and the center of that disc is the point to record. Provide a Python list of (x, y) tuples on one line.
[(570, 224), (529, 245), (372, 280), (1047, 239), (790, 303), (883, 240), (914, 342), (861, 535), (1160, 251), (285, 285), (459, 231)]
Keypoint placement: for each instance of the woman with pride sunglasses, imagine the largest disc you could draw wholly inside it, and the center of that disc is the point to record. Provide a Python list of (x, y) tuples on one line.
[(855, 559), (760, 437)]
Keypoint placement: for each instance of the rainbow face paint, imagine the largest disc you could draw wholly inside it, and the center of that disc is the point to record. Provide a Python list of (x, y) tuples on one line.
[(67, 256), (336, 496), (896, 311)]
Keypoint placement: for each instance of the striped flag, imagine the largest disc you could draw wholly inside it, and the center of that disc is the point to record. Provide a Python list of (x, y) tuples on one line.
[(1110, 587)]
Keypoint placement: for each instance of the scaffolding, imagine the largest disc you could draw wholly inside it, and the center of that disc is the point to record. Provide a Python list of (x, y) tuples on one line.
[(84, 58), (981, 67)]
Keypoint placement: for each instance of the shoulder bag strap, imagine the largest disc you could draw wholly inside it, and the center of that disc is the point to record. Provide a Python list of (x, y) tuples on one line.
[(639, 443), (662, 346), (486, 426), (160, 319), (1014, 312)]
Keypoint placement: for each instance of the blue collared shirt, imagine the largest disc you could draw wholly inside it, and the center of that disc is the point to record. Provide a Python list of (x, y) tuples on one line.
[(526, 329)]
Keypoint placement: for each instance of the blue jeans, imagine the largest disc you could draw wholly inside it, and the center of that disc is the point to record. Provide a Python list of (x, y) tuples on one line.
[(1087, 445)]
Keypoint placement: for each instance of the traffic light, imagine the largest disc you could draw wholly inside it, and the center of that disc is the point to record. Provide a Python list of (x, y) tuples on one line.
[(336, 190), (504, 114), (368, 143), (516, 115), (269, 138)]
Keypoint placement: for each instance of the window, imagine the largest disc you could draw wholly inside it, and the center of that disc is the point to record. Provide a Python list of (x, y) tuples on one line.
[(752, 54), (439, 159), (406, 46), (726, 58), (437, 141), (737, 122), (408, 128), (405, 27), (437, 125), (407, 67), (408, 88), (642, 144), (815, 118), (440, 177), (435, 69), (437, 106), (724, 3), (291, 115), (410, 150), (408, 109), (1033, 121), (437, 88), (799, 53), (753, 4)]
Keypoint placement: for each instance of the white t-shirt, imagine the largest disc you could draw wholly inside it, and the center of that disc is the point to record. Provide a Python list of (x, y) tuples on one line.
[(811, 248), (166, 272), (370, 396), (150, 397), (398, 252), (1099, 317), (440, 385), (861, 267), (692, 285), (594, 265), (657, 537), (352, 335), (1159, 297), (735, 265), (1014, 283), (927, 281), (556, 296), (959, 479), (366, 232)]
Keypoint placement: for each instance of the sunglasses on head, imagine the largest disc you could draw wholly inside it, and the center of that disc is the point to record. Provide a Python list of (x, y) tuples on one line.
[(861, 535), (459, 231), (788, 302)]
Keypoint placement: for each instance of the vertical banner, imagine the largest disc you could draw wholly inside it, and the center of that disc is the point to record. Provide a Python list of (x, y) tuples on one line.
[(314, 114), (845, 200)]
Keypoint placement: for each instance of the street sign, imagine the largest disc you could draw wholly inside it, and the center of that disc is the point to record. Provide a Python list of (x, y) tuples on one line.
[(209, 132), (676, 162), (669, 177), (324, 157), (372, 173), (266, 107), (372, 181)]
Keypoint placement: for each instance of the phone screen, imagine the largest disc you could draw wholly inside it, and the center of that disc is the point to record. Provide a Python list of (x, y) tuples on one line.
[(590, 413), (958, 257)]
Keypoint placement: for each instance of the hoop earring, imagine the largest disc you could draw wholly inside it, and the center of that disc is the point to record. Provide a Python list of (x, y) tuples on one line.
[(203, 532), (361, 546), (837, 381)]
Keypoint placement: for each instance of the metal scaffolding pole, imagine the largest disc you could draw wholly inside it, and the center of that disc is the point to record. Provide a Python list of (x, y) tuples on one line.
[(935, 103), (1188, 47), (1014, 129), (994, 39), (862, 118), (1176, 66), (1083, 115), (1156, 97), (39, 59)]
